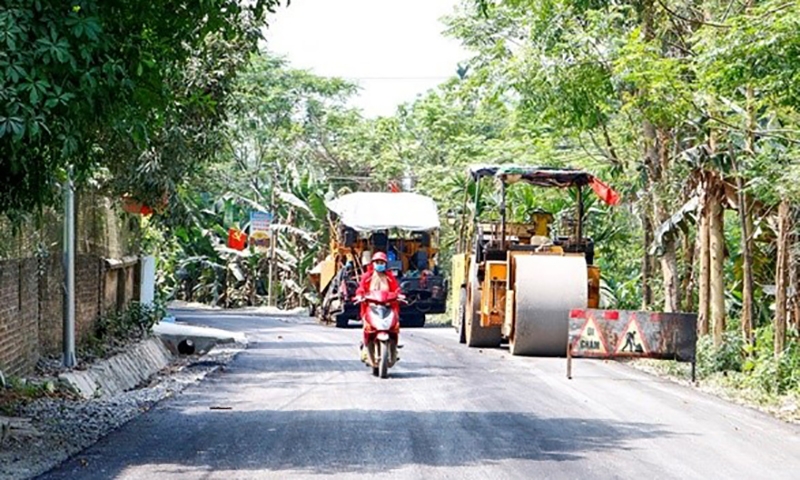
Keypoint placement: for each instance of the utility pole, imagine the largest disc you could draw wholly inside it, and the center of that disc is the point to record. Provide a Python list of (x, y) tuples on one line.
[(271, 254), (271, 272), (68, 358)]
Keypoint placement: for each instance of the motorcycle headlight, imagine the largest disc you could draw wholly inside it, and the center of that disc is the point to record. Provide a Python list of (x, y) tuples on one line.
[(381, 316)]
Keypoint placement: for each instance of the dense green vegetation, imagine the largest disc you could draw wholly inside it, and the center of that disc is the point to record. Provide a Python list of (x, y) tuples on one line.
[(670, 101), (119, 92)]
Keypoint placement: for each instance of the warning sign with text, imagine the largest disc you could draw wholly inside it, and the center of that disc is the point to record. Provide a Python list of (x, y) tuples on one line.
[(624, 333), (590, 339)]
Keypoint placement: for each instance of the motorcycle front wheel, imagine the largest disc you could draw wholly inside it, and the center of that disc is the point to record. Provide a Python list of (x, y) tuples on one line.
[(376, 355), (383, 363)]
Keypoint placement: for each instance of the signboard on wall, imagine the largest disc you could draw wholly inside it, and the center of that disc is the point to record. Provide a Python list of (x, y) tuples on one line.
[(260, 230)]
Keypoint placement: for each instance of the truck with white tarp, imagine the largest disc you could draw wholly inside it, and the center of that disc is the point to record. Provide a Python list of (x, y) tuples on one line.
[(403, 225)]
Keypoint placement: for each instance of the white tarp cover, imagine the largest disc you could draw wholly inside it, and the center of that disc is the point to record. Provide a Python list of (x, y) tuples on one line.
[(370, 211)]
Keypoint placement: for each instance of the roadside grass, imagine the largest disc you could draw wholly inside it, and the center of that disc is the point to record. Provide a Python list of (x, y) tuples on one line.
[(728, 385), (438, 320), (115, 331), (20, 391)]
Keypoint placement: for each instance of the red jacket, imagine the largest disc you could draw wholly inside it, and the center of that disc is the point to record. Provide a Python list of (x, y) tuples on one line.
[(363, 288)]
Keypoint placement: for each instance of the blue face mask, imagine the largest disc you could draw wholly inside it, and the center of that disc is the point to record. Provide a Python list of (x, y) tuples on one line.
[(380, 267)]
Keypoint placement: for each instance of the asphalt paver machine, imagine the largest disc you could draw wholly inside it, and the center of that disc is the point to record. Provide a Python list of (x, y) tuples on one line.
[(403, 225)]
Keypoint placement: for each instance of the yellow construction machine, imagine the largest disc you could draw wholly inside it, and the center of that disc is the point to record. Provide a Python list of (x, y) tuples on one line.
[(405, 227), (518, 281)]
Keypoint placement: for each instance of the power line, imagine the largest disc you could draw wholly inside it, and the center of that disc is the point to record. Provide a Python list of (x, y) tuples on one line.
[(395, 78)]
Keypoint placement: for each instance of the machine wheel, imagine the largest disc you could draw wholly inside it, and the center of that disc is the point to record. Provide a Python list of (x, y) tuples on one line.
[(416, 320), (342, 321), (477, 336), (462, 312), (323, 317), (323, 310)]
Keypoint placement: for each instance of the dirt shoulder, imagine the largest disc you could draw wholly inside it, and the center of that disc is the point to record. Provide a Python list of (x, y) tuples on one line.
[(728, 386)]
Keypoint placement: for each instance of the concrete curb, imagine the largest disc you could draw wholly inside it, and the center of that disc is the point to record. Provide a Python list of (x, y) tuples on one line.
[(121, 372)]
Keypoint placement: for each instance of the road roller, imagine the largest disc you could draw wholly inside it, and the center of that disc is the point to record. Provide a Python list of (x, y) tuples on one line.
[(517, 282)]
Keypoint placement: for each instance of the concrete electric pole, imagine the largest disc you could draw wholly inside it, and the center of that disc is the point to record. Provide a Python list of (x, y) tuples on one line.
[(68, 358)]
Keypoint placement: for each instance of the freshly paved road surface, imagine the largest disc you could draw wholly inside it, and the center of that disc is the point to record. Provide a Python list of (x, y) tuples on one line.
[(303, 406)]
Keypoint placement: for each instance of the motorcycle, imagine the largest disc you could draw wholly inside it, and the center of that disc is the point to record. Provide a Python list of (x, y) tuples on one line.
[(381, 332)]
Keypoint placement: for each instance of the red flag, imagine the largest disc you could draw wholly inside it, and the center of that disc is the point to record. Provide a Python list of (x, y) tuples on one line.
[(394, 188), (236, 239), (606, 193)]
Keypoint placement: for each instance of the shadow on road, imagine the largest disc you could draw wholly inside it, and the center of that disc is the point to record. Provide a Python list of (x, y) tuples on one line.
[(333, 441)]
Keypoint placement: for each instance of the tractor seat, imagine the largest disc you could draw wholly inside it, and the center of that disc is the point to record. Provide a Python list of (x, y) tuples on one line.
[(539, 240)]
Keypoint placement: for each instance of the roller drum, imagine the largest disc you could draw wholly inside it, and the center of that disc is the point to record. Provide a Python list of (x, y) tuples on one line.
[(546, 288)]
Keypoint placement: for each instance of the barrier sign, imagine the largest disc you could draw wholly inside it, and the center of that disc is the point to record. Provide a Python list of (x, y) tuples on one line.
[(624, 333)]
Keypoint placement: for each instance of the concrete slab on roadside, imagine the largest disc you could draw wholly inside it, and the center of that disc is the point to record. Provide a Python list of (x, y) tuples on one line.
[(203, 338)]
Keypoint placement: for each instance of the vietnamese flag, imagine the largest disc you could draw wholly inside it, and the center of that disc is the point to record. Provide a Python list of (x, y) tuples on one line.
[(236, 239), (606, 193)]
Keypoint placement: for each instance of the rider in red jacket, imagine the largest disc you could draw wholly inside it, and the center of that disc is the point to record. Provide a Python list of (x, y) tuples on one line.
[(377, 277)]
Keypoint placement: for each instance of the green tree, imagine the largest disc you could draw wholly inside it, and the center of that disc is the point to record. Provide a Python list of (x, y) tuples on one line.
[(90, 84)]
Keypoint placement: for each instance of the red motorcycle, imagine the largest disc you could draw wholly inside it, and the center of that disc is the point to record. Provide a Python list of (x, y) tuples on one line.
[(381, 331)]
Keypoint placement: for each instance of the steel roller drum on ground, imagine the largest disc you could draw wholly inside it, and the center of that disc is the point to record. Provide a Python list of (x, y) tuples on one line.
[(547, 287)]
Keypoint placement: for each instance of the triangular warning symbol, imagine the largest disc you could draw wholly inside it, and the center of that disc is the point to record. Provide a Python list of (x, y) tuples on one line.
[(591, 340), (632, 342)]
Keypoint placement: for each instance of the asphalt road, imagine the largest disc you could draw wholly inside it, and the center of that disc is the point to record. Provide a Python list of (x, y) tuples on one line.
[(302, 405)]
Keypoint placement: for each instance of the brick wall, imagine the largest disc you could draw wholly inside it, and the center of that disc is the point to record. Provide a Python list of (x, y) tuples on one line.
[(88, 296), (31, 306), (19, 313), (51, 305)]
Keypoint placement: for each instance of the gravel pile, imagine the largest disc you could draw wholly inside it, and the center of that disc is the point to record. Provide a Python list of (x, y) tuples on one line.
[(64, 426)]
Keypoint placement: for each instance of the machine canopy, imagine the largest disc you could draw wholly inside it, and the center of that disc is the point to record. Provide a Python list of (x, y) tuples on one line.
[(546, 177), (372, 211)]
